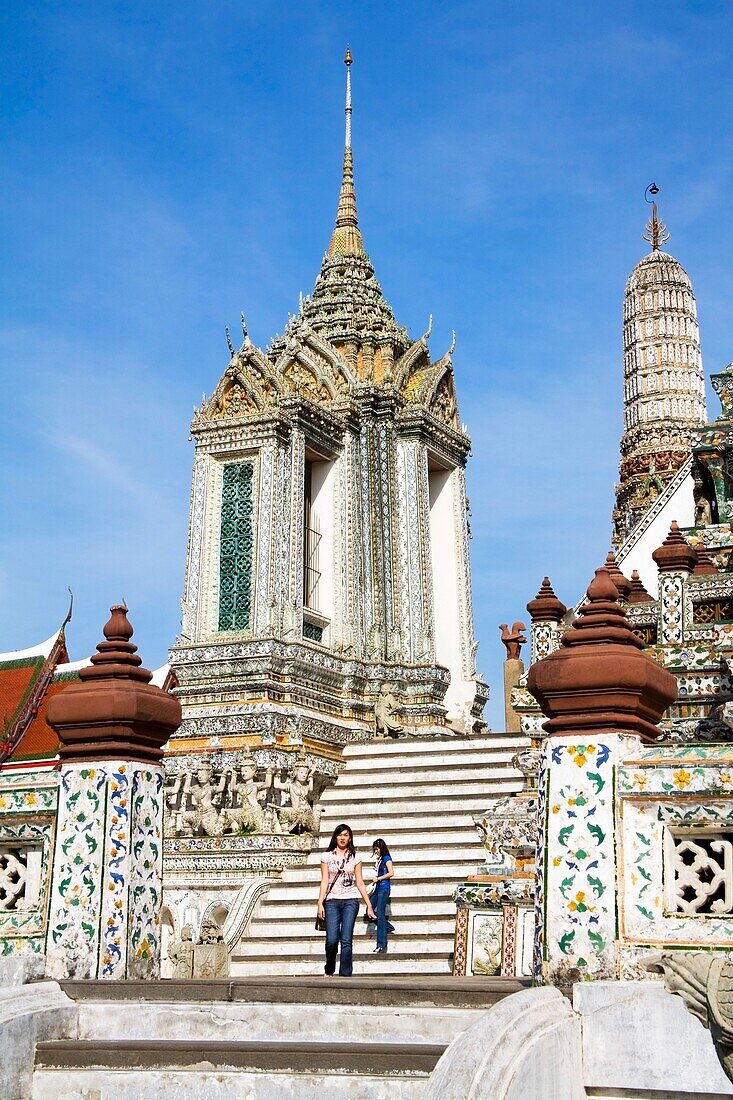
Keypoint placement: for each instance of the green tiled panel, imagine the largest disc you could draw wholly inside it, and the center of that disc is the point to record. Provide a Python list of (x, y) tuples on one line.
[(236, 548)]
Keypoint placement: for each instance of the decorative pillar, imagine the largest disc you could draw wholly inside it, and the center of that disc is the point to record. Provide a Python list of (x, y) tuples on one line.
[(513, 672), (603, 697), (106, 882), (675, 560), (547, 614)]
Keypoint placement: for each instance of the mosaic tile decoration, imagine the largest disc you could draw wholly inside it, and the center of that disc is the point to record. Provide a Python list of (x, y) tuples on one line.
[(681, 788), (107, 870), (579, 904)]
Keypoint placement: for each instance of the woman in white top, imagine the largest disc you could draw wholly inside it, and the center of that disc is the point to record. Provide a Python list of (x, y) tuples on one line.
[(342, 885)]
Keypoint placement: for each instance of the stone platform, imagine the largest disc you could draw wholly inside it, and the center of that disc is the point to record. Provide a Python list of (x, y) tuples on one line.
[(260, 1039)]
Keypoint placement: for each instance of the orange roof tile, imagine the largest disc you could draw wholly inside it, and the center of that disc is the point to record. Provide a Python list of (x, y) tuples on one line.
[(40, 740), (16, 681)]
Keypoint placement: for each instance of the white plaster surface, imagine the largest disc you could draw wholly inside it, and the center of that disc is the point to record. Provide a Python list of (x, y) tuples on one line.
[(526, 1047), (638, 1036), (203, 1085), (28, 1014), (444, 487), (19, 969), (265, 1022), (680, 507)]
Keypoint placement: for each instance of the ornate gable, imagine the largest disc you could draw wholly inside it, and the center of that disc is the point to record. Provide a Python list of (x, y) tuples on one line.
[(248, 386), (431, 385), (312, 368), (304, 377), (441, 398), (413, 368)]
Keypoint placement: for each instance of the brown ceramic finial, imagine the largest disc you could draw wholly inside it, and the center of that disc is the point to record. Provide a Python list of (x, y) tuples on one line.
[(675, 555), (116, 656), (638, 593), (118, 627), (623, 584), (704, 563), (545, 607), (599, 680), (113, 712)]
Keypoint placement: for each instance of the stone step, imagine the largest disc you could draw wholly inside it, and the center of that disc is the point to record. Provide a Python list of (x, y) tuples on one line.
[(268, 1021), (419, 964), (364, 820), (406, 859), (421, 887), (469, 797), (413, 993), (432, 865), (469, 763), (436, 836), (110, 1055), (312, 946), (268, 927), (409, 745), (408, 908), (398, 779), (237, 1084)]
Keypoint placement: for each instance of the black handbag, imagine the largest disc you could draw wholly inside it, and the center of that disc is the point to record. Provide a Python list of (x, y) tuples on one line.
[(320, 922)]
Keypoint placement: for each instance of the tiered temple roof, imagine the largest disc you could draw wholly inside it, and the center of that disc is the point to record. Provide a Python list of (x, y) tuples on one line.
[(28, 678), (347, 304), (344, 336)]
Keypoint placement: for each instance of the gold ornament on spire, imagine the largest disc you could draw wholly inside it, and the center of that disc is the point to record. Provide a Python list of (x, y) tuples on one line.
[(346, 238), (656, 231)]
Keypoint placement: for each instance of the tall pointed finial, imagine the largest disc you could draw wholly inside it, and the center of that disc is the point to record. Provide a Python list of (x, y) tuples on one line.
[(346, 237), (656, 231), (348, 62)]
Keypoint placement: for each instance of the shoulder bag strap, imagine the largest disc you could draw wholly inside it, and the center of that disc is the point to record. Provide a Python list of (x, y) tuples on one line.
[(332, 884)]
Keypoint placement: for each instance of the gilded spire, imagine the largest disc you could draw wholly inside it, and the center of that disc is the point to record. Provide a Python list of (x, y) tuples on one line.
[(656, 231), (346, 238), (347, 305)]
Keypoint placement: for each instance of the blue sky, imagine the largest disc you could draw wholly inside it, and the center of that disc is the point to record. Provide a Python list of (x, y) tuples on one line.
[(167, 165)]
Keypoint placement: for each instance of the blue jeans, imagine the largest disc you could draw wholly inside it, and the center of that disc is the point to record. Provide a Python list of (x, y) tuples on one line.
[(380, 901), (340, 920)]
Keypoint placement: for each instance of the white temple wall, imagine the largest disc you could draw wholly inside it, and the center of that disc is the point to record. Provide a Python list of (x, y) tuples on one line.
[(449, 580), (680, 507), (323, 489)]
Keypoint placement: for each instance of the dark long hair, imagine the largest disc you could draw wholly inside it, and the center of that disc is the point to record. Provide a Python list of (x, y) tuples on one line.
[(381, 847), (339, 829)]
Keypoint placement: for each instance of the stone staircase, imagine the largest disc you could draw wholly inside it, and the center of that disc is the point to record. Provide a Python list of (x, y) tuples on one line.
[(260, 1039), (420, 794)]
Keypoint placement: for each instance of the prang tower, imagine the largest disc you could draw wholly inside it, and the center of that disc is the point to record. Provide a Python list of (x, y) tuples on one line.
[(328, 562), (664, 390)]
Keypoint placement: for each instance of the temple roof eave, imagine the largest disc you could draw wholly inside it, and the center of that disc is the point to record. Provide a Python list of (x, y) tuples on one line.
[(41, 649)]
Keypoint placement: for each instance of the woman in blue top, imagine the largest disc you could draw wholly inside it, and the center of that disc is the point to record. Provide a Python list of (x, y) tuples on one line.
[(383, 872)]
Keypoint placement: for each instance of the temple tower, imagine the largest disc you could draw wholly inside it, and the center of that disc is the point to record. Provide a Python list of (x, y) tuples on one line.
[(664, 390), (327, 592)]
